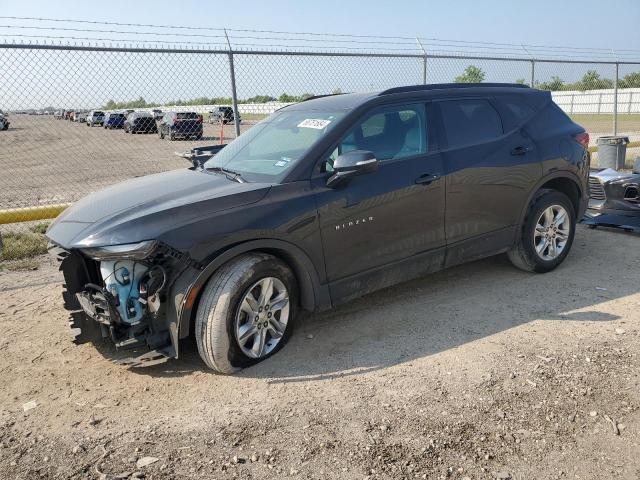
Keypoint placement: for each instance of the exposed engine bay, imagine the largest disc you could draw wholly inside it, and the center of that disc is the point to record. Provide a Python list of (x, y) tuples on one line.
[(123, 299), (614, 199)]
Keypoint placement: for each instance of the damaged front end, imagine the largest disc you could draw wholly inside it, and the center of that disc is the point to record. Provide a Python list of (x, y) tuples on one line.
[(614, 200), (122, 293)]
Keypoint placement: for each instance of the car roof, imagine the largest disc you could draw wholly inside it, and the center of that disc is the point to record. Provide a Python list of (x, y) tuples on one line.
[(350, 101)]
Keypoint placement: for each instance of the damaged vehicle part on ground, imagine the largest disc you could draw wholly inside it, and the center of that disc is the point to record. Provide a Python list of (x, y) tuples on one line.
[(614, 200), (324, 201)]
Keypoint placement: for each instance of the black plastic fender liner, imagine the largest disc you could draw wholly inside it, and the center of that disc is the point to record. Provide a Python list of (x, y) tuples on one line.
[(76, 276), (186, 288)]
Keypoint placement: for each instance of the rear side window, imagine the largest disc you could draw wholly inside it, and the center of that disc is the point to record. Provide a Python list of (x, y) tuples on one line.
[(520, 110), (469, 122), (187, 116)]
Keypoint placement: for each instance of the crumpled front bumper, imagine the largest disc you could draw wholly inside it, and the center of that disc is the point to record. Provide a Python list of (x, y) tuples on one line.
[(93, 318)]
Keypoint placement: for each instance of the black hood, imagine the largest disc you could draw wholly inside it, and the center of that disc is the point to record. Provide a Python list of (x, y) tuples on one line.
[(145, 208)]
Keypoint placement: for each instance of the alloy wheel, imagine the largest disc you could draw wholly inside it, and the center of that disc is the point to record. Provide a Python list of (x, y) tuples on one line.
[(262, 317), (552, 232)]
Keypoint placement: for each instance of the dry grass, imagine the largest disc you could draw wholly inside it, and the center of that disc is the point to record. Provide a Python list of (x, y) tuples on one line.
[(24, 245), (603, 123)]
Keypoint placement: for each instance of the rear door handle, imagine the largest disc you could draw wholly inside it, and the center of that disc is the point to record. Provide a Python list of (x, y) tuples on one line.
[(519, 150), (427, 178)]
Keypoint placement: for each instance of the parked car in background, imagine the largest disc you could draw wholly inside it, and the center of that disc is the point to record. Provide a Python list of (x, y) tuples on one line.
[(140, 122), (331, 199), (80, 117), (95, 117), (181, 125), (4, 122), (222, 114), (59, 115), (157, 114), (67, 114), (114, 120)]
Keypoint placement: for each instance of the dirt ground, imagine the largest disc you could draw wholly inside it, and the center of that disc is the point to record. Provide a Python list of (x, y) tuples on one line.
[(478, 372), (48, 161)]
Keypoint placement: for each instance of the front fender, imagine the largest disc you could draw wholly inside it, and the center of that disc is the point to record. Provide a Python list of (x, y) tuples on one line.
[(186, 289)]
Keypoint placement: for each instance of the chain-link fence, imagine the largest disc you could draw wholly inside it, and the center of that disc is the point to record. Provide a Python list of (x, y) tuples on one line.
[(78, 118)]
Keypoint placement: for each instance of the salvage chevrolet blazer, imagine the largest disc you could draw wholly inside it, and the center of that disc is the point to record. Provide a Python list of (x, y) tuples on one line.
[(323, 201)]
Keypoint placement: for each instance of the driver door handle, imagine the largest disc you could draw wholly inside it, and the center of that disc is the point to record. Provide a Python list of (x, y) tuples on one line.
[(427, 178)]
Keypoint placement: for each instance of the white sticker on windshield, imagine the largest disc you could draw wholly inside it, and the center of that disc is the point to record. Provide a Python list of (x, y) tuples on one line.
[(316, 123)]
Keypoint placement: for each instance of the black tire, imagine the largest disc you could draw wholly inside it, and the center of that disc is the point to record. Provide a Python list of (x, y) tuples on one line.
[(172, 136), (524, 255), (219, 306), (161, 135)]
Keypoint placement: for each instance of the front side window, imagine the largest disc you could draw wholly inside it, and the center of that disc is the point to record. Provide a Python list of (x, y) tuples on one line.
[(389, 132), (470, 122)]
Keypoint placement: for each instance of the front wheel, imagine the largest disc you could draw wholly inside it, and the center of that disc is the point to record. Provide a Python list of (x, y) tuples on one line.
[(547, 233), (246, 312)]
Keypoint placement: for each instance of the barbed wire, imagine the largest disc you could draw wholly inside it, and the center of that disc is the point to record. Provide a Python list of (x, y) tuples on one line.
[(267, 36), (274, 40)]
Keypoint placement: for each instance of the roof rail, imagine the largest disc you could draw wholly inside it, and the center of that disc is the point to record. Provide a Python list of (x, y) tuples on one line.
[(313, 97), (445, 86)]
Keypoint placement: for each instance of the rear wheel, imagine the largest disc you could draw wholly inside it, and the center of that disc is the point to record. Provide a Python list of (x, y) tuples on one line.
[(547, 233), (245, 313), (161, 135)]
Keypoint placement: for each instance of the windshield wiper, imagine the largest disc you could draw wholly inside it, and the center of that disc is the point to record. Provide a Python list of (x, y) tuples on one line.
[(230, 174)]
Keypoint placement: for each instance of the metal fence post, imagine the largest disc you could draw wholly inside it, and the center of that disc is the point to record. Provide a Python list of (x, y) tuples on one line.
[(234, 95), (533, 73), (615, 101), (424, 62)]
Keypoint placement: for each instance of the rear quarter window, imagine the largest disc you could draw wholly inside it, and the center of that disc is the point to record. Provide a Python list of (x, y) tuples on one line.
[(470, 122)]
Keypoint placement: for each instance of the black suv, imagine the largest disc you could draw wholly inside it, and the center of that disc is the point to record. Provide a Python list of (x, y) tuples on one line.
[(181, 125), (222, 115), (140, 122), (324, 201)]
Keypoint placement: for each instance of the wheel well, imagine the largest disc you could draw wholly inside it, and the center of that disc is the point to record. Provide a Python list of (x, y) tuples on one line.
[(568, 187), (306, 284)]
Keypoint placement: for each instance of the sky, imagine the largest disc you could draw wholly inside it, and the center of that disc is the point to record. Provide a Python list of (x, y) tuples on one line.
[(589, 23), (90, 79)]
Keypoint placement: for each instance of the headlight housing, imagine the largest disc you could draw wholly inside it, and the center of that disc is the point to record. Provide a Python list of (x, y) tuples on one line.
[(129, 251)]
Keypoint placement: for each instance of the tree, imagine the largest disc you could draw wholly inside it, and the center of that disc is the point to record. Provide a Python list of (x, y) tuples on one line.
[(521, 81), (336, 91), (555, 84), (260, 99), (286, 98), (631, 80), (593, 81), (471, 74)]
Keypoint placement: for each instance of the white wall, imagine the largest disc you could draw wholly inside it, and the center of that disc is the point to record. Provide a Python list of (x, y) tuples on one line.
[(598, 101)]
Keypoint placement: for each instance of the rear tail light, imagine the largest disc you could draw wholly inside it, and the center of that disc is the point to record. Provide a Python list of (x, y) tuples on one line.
[(582, 139)]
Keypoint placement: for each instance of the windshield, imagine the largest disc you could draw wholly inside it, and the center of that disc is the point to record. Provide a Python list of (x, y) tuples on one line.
[(269, 150)]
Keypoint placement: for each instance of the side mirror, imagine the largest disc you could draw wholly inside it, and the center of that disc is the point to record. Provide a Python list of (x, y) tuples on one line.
[(352, 164)]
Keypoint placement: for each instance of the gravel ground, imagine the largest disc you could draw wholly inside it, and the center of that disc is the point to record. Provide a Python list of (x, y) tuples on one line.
[(478, 372)]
